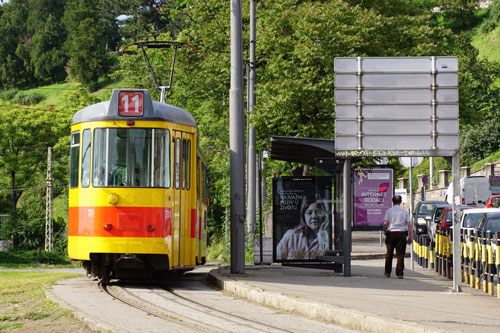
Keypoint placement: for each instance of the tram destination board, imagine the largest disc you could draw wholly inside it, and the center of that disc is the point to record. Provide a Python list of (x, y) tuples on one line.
[(396, 106)]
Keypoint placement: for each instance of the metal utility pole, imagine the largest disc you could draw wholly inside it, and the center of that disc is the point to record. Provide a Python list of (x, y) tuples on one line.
[(237, 144), (431, 172), (48, 205), (455, 166), (411, 209), (251, 161)]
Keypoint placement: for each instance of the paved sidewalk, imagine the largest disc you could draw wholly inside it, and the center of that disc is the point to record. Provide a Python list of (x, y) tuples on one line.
[(421, 302)]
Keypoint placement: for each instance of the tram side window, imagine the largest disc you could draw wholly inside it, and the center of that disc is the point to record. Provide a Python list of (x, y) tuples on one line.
[(204, 180), (198, 178), (86, 158), (186, 164), (99, 161), (177, 157), (161, 158), (74, 159)]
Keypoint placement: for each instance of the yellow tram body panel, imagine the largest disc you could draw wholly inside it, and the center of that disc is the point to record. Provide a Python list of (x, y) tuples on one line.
[(80, 246), (138, 220)]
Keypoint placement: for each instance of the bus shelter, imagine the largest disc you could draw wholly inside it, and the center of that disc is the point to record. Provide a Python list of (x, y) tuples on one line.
[(318, 153)]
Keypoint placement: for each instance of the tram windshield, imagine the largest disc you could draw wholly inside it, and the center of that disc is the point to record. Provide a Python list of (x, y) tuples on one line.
[(131, 157)]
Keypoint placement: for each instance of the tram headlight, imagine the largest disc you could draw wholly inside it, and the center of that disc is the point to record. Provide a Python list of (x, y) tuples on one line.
[(113, 198)]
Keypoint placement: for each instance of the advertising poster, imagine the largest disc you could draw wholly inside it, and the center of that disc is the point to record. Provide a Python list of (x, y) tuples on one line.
[(302, 218), (372, 196)]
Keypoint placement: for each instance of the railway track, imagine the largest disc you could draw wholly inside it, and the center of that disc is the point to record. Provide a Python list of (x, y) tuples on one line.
[(178, 308)]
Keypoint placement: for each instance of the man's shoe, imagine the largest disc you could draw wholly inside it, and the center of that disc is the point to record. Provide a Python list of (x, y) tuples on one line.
[(387, 275), (400, 276)]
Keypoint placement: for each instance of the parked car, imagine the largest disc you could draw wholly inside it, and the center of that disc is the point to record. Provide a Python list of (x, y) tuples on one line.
[(471, 217), (489, 222), (422, 212), (446, 217), (434, 219), (493, 201)]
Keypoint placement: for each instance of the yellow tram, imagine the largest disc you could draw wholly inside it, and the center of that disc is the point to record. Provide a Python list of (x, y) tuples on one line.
[(138, 197)]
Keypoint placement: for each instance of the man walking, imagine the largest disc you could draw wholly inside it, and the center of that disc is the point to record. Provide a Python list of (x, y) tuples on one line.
[(397, 225)]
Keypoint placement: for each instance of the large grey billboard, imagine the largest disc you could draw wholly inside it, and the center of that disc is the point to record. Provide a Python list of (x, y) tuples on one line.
[(396, 106)]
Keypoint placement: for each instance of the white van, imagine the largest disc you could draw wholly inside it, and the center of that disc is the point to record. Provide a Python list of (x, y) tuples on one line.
[(474, 191)]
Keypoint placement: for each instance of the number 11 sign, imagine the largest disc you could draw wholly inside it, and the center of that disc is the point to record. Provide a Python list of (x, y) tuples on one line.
[(130, 103)]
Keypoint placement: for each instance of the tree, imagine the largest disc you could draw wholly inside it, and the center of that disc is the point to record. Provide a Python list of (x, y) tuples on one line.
[(296, 44), (46, 48), (86, 42), (147, 18), (25, 135), (13, 54), (479, 97)]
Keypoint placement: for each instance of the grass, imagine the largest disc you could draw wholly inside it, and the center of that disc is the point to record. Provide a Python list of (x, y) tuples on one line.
[(23, 300), (490, 159), (487, 44), (53, 93)]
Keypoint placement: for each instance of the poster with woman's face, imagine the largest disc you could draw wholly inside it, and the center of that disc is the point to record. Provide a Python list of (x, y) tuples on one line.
[(302, 218)]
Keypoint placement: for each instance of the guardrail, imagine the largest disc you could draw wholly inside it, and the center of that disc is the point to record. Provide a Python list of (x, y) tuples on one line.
[(479, 253)]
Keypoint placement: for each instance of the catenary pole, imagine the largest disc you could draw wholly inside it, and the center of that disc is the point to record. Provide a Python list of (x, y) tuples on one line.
[(48, 204), (236, 144), (251, 164)]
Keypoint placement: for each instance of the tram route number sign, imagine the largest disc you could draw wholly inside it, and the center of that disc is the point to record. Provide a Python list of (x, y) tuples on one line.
[(130, 103)]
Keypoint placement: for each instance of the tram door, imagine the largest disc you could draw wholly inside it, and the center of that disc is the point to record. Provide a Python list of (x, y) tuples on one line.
[(182, 183)]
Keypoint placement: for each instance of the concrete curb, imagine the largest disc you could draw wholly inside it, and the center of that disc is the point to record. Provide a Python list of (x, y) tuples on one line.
[(92, 323), (373, 256), (349, 318)]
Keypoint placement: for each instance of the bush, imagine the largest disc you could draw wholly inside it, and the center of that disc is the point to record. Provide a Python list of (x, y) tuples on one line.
[(479, 141), (493, 19), (28, 99), (32, 257), (7, 95)]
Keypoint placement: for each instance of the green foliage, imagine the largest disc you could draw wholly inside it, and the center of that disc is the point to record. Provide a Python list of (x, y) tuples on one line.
[(493, 158), (31, 257), (479, 98), (8, 94), (479, 141), (458, 14), (146, 18), (493, 18), (29, 227), (13, 69), (215, 250), (26, 133), (45, 49), (86, 42), (28, 99), (299, 43)]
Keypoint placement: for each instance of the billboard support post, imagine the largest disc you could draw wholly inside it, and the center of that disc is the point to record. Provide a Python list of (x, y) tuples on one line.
[(347, 217), (411, 210)]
